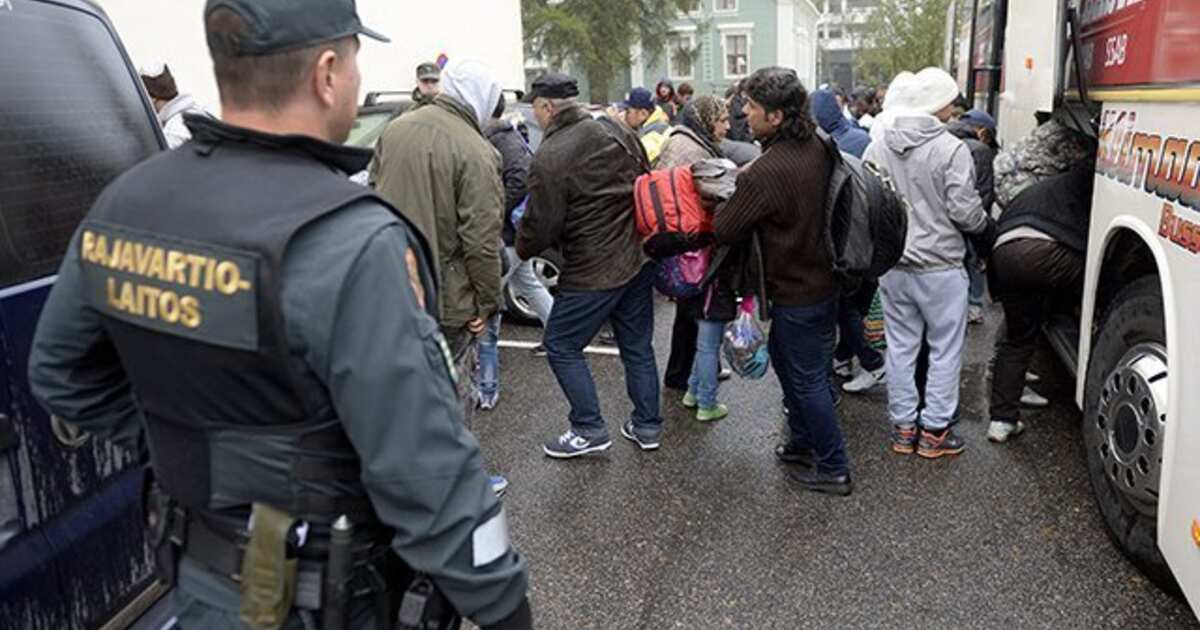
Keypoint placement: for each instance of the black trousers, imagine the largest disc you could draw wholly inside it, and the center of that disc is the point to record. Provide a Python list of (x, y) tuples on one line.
[(1031, 278), (683, 350)]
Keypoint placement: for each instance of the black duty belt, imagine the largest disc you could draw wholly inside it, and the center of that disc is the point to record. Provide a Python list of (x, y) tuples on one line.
[(221, 552)]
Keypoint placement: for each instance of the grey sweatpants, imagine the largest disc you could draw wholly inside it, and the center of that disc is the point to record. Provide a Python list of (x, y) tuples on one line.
[(934, 305)]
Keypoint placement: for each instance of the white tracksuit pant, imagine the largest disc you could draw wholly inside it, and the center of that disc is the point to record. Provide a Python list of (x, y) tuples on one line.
[(934, 305)]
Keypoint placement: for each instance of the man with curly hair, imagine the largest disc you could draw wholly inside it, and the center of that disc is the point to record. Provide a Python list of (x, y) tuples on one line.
[(781, 199)]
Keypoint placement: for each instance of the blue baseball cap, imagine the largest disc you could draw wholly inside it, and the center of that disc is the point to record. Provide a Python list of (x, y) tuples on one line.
[(977, 118), (639, 98)]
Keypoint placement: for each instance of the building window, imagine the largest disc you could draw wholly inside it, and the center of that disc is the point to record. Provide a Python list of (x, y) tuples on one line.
[(737, 55), (692, 8), (680, 48), (725, 6)]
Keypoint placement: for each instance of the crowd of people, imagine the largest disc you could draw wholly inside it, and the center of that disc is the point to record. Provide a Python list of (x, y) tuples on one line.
[(575, 194)]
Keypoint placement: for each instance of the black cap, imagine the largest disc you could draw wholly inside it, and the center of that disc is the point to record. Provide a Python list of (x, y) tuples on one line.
[(553, 85), (282, 25), (429, 70)]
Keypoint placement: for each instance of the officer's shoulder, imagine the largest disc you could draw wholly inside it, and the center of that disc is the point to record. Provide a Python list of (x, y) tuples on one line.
[(357, 222)]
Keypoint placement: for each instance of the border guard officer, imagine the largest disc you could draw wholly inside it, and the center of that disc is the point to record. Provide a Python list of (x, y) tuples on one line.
[(266, 328)]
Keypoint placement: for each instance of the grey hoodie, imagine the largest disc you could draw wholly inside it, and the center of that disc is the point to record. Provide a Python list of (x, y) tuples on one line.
[(933, 170)]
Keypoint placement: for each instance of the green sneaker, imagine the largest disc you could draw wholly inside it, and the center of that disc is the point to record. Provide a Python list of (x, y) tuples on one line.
[(713, 413), (689, 401)]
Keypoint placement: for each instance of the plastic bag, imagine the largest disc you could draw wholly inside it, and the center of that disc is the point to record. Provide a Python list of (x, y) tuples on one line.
[(681, 276), (745, 344)]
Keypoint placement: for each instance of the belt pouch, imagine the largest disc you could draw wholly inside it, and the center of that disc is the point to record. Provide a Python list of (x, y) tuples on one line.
[(268, 574)]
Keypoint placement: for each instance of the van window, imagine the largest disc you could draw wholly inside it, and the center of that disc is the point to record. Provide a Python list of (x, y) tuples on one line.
[(71, 119)]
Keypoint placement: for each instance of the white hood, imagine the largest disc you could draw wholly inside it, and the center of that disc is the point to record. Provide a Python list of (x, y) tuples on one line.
[(914, 96), (473, 84)]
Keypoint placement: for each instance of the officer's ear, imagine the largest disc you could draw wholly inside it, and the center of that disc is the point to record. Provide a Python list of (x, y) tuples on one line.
[(325, 77)]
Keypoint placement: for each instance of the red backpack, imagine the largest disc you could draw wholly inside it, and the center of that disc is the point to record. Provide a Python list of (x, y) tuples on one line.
[(669, 214)]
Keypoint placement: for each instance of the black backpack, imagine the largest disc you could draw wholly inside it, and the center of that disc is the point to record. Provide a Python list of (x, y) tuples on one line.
[(867, 219)]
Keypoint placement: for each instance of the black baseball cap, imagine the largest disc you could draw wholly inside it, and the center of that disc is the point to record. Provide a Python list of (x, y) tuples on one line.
[(283, 25), (553, 85)]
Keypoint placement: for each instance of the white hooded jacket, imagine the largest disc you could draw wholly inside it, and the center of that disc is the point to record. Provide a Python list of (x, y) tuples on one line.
[(932, 169)]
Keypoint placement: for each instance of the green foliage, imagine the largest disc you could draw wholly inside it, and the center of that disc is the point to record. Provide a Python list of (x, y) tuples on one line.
[(596, 36), (902, 35)]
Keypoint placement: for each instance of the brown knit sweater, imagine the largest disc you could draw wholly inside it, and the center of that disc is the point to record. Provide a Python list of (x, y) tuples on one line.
[(782, 197)]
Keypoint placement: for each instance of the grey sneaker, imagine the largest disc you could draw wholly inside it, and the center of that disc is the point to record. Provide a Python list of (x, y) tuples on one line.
[(999, 431), (935, 444), (646, 444), (570, 445)]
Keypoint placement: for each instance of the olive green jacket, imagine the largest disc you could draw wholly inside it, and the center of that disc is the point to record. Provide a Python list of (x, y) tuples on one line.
[(434, 165)]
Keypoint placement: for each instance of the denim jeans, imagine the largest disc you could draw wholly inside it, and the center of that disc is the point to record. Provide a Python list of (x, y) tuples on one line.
[(703, 383), (576, 318), (801, 347), (978, 288), (489, 358)]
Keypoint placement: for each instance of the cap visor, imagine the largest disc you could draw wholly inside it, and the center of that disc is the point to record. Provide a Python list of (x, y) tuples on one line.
[(375, 35)]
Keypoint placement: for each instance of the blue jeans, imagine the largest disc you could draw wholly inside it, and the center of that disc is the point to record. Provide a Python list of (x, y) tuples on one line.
[(703, 383), (489, 357), (978, 279), (801, 344), (576, 318)]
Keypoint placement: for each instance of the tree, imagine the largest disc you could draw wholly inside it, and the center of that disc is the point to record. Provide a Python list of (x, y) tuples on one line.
[(902, 35), (596, 35)]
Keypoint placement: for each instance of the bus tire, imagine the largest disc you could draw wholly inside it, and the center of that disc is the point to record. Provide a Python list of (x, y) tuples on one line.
[(1123, 424)]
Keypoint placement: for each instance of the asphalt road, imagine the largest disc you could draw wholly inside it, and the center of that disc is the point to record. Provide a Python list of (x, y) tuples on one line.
[(709, 533)]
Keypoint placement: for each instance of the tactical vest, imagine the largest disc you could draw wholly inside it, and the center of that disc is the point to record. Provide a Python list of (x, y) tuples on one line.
[(182, 258)]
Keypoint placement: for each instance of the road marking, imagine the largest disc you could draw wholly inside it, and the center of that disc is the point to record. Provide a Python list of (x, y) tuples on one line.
[(530, 345)]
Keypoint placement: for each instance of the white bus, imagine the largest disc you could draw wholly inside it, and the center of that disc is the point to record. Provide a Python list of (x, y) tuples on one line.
[(1128, 73)]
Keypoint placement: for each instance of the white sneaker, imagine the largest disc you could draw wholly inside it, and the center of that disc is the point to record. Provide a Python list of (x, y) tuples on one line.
[(1001, 431), (1032, 378), (864, 381), (1030, 398), (844, 369), (975, 315)]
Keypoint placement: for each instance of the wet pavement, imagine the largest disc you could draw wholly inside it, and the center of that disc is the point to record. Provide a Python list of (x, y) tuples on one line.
[(709, 533)]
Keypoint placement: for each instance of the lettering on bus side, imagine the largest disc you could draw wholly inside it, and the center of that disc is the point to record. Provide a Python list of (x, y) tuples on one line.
[(183, 288), (1168, 168)]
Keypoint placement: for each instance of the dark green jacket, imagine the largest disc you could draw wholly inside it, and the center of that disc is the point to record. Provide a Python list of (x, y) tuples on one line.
[(434, 165)]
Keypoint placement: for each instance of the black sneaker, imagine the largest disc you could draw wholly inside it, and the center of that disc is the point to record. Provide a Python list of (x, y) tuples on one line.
[(539, 350), (935, 444), (809, 479), (799, 456)]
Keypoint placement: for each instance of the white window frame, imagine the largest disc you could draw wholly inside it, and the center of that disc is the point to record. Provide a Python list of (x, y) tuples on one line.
[(718, 11), (734, 30), (688, 33)]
